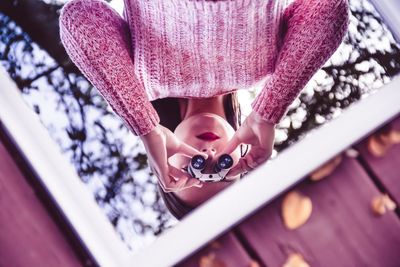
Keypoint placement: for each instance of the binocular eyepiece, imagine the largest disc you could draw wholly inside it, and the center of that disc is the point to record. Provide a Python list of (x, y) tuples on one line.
[(221, 168)]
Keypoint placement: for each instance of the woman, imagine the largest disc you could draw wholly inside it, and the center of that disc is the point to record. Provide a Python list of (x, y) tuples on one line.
[(187, 119), (170, 68)]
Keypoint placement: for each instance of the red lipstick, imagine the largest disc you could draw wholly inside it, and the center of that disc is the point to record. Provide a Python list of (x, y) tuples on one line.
[(208, 136)]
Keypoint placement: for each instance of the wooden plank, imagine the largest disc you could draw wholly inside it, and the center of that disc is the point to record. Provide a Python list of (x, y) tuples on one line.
[(342, 230), (387, 168), (225, 251), (28, 236)]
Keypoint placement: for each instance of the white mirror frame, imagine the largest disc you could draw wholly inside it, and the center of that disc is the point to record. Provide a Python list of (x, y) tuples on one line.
[(98, 235)]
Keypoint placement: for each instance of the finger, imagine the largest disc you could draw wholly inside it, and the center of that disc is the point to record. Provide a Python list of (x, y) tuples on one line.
[(178, 173), (190, 151), (180, 184), (242, 167), (184, 159), (160, 179), (166, 179), (183, 179), (172, 185), (168, 188), (192, 182), (174, 178), (231, 146), (250, 161), (235, 171), (163, 186), (186, 178)]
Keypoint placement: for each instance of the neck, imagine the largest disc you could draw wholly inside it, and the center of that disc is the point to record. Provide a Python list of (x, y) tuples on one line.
[(193, 106)]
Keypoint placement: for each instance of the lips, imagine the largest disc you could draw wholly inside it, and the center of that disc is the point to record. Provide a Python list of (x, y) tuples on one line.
[(208, 136)]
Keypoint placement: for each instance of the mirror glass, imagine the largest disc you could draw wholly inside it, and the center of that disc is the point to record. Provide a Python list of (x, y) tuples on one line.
[(111, 161)]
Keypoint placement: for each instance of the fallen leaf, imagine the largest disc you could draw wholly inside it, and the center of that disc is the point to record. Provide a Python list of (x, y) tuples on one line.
[(211, 260), (295, 260), (381, 141), (215, 245), (253, 263), (389, 204), (378, 207), (376, 146), (296, 209), (352, 153), (384, 137), (326, 169), (380, 204), (394, 136)]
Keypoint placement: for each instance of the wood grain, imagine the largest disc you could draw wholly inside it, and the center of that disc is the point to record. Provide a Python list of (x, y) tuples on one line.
[(387, 168), (342, 229), (28, 235), (226, 252)]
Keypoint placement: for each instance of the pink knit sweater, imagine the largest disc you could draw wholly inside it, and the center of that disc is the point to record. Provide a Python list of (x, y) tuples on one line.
[(198, 48)]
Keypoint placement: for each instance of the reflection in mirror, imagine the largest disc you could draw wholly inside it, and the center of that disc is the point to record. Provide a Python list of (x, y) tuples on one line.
[(111, 161)]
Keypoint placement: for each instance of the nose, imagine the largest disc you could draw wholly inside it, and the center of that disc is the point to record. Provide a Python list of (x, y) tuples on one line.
[(211, 152)]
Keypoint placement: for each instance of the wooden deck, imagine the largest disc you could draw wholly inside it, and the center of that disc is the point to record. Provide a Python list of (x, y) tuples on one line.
[(32, 233), (342, 230)]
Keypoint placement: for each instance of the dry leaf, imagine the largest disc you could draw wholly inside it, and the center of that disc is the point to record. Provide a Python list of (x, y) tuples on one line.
[(382, 140), (352, 153), (394, 136), (211, 260), (295, 260), (379, 143), (296, 209), (326, 169), (384, 137), (376, 146), (377, 205), (389, 204), (253, 263), (215, 245), (380, 204)]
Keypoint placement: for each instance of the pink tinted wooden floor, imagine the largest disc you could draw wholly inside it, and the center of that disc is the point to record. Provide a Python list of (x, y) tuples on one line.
[(28, 234), (342, 229), (386, 169)]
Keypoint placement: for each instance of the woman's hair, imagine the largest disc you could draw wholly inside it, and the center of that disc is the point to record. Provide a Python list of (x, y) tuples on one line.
[(170, 117), (169, 112)]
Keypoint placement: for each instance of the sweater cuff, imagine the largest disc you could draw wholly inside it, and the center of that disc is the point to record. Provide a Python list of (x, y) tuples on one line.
[(146, 119), (270, 106)]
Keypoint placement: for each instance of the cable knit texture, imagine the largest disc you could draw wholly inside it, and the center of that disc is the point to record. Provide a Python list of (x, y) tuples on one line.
[(199, 48)]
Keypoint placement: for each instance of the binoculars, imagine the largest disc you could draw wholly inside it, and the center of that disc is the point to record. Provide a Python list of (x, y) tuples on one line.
[(221, 168)]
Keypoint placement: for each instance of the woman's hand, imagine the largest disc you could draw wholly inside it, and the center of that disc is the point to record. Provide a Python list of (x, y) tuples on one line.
[(161, 144), (256, 132)]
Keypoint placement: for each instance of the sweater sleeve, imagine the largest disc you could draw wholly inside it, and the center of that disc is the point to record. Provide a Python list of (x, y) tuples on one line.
[(312, 31), (98, 41)]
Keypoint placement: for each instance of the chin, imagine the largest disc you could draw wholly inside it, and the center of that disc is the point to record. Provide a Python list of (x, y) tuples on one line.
[(195, 196)]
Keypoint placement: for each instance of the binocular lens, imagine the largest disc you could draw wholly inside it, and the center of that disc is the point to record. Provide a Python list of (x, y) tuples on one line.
[(198, 162), (225, 161)]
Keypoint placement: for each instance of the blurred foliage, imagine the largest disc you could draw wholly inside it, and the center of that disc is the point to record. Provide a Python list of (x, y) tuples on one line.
[(113, 163), (367, 59)]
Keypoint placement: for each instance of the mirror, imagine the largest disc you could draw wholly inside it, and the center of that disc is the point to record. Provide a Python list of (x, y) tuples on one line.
[(112, 162)]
